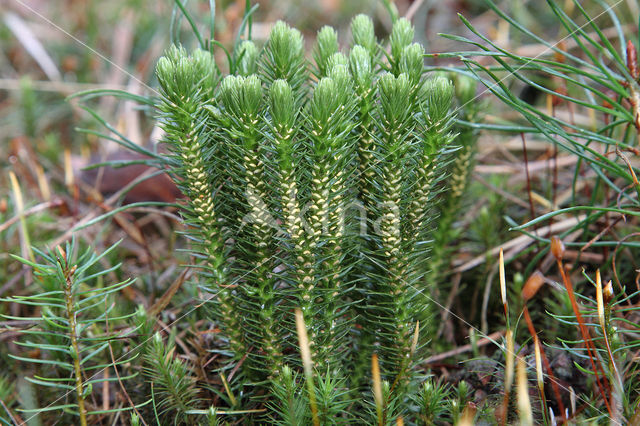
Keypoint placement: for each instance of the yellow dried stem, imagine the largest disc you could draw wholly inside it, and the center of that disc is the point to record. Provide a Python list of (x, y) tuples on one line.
[(501, 412), (524, 403), (468, 415), (602, 318), (539, 375), (509, 358), (307, 365), (416, 334), (227, 389), (43, 183), (600, 300), (17, 192), (503, 284), (377, 387), (17, 199), (69, 178)]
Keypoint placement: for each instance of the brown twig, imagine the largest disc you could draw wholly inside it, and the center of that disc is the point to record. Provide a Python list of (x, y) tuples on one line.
[(491, 338), (35, 209)]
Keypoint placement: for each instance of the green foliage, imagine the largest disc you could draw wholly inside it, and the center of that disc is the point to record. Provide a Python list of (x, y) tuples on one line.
[(363, 34), (183, 111), (289, 405), (433, 401), (283, 58), (614, 339), (334, 399), (457, 180), (241, 100), (401, 36), (459, 401), (73, 327), (172, 385), (313, 195), (326, 46), (248, 58)]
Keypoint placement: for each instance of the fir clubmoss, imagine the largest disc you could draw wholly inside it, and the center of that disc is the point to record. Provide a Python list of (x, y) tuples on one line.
[(331, 123), (276, 164), (73, 333), (362, 34), (247, 58), (363, 75), (392, 293), (459, 169), (187, 84), (283, 58), (284, 129), (326, 46), (242, 104), (402, 35), (173, 385)]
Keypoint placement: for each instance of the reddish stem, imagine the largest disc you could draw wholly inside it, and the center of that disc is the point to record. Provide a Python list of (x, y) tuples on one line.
[(597, 368), (547, 365)]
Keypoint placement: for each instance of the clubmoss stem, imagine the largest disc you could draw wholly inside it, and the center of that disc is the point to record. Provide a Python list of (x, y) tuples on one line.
[(73, 332)]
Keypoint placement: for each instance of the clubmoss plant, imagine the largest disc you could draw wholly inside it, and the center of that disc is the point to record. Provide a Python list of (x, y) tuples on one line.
[(308, 185), (247, 58), (187, 84), (311, 186), (290, 405), (458, 178), (73, 329), (173, 388), (299, 158), (326, 46), (332, 145)]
